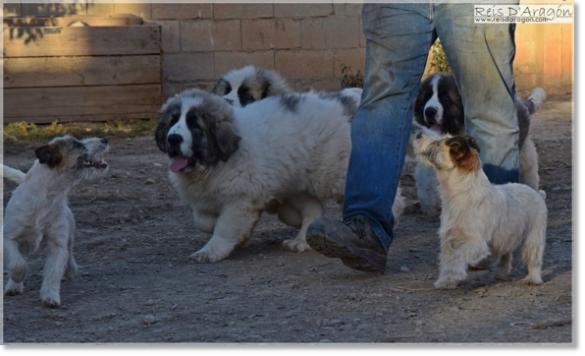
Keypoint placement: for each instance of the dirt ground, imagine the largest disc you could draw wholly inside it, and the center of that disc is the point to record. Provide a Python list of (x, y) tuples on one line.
[(137, 284)]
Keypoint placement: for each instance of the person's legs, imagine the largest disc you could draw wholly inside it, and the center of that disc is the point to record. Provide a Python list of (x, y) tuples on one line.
[(481, 57), (398, 39)]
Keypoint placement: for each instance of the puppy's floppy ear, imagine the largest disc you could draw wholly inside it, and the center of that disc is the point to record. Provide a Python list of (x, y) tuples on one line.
[(265, 89), (472, 143), (160, 135), (49, 154), (226, 139), (222, 87)]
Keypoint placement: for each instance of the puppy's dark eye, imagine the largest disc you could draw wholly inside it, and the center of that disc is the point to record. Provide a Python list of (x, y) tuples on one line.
[(246, 99), (228, 88), (78, 145), (174, 119)]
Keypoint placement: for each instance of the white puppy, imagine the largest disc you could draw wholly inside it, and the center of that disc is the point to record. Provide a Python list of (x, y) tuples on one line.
[(37, 214), (477, 217), (284, 154)]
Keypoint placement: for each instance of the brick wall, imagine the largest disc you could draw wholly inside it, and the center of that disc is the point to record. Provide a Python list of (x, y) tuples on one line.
[(306, 43)]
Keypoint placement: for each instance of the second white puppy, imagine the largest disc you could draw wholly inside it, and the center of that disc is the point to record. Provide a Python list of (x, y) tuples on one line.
[(477, 217)]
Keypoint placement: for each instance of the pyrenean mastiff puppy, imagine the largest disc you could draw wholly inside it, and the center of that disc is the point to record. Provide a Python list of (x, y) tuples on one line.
[(286, 155)]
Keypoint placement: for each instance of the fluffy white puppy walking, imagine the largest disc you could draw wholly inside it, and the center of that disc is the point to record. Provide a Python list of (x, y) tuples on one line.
[(479, 218), (37, 214)]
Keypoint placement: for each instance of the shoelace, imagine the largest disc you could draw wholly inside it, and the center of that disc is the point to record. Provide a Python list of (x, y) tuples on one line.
[(357, 225)]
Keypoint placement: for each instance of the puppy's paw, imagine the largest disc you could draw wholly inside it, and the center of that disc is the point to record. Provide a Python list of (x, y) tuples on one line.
[(430, 210), (51, 299), (296, 245), (13, 288), (206, 256), (532, 281), (443, 283), (71, 272)]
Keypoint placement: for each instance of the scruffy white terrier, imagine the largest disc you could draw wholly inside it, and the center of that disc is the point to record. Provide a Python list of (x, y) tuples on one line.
[(37, 214), (479, 218)]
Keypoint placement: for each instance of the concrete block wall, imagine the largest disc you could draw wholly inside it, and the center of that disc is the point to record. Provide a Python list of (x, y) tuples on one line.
[(306, 43)]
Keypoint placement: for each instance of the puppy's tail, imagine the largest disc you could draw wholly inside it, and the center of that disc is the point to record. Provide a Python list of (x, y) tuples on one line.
[(13, 174), (535, 100)]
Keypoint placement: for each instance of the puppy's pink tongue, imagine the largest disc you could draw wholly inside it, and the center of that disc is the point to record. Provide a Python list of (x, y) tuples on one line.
[(178, 163)]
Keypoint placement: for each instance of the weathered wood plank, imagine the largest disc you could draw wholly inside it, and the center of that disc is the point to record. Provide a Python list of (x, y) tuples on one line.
[(76, 71), (114, 20), (81, 41), (80, 103)]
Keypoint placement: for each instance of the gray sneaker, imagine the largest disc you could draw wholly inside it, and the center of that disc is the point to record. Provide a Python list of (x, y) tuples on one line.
[(353, 241)]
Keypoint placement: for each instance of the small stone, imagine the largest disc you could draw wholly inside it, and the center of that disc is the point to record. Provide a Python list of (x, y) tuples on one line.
[(149, 319), (149, 181), (404, 269), (149, 302), (58, 323), (157, 165)]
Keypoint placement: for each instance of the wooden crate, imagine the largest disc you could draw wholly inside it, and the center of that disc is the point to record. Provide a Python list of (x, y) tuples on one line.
[(81, 68)]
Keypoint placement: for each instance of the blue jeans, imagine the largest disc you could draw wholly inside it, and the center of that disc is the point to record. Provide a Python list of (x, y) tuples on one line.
[(399, 37)]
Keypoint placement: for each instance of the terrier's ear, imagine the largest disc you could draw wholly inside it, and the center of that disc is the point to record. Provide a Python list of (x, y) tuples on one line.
[(472, 143), (458, 147), (49, 155)]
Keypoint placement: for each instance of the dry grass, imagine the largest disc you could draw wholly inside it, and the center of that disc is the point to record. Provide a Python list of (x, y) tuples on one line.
[(24, 131)]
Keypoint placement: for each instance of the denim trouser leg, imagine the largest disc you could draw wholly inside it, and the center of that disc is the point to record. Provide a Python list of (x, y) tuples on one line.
[(398, 39), (481, 57)]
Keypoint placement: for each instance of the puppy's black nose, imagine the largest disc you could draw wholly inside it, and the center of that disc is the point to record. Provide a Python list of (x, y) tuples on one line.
[(104, 141), (430, 112), (174, 139)]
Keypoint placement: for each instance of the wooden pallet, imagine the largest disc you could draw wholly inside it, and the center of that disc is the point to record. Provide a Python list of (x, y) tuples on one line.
[(81, 68)]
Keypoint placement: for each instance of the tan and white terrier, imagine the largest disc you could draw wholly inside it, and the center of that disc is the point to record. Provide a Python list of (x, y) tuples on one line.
[(37, 215), (477, 217)]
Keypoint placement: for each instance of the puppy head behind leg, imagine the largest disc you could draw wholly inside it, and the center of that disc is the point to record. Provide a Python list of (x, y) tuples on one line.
[(69, 156)]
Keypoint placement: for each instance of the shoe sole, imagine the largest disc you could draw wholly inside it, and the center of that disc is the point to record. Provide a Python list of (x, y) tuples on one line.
[(332, 249)]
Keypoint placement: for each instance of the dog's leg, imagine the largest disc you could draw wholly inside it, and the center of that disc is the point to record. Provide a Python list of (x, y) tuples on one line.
[(504, 265), (203, 221), (398, 207), (289, 214), (427, 189), (533, 251), (235, 224), (529, 165), (310, 208), (16, 266), (457, 252), (57, 259), (71, 269)]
